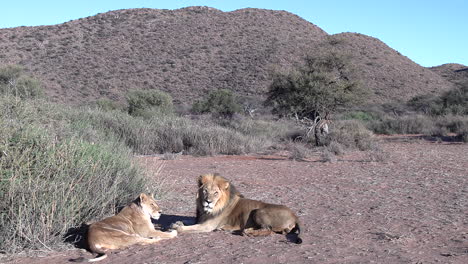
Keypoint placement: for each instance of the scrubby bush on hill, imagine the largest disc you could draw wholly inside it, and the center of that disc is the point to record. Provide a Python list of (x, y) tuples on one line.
[(221, 103), (146, 103)]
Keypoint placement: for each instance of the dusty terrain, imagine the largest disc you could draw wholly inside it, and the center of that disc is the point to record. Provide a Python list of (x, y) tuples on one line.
[(410, 208)]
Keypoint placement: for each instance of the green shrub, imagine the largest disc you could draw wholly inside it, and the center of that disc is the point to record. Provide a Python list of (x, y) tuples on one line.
[(335, 148), (108, 105), (298, 151), (147, 103), (277, 130), (426, 104), (222, 103), (328, 156), (451, 124), (464, 136), (415, 124), (352, 134), (360, 115), (454, 102)]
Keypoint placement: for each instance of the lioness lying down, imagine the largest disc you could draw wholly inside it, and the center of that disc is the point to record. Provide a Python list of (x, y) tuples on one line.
[(221, 206), (129, 227)]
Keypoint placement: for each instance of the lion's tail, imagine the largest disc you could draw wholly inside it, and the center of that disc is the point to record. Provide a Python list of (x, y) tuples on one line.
[(298, 229), (99, 257), (101, 254)]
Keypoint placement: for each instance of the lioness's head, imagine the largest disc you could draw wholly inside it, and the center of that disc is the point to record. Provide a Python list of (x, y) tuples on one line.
[(214, 193), (149, 206)]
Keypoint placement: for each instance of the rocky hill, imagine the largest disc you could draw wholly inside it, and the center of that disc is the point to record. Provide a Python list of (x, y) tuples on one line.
[(191, 51), (453, 72), (391, 75)]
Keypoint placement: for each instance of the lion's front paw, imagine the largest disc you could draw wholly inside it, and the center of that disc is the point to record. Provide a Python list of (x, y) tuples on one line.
[(173, 233), (177, 225)]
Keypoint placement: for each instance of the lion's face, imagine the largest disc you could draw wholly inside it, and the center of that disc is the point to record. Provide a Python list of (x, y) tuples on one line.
[(213, 193), (148, 204), (210, 196)]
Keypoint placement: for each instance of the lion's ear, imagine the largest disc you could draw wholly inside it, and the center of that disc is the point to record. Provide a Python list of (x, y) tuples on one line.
[(201, 180), (225, 185), (143, 197)]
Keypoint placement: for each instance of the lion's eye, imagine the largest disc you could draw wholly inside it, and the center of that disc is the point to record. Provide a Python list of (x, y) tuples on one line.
[(216, 193)]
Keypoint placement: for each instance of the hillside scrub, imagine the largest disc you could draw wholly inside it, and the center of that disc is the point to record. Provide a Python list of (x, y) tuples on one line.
[(14, 82), (425, 114), (407, 123), (160, 134), (451, 102)]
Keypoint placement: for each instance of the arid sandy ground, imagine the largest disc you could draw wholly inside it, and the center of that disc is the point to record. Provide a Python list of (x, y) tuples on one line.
[(410, 208)]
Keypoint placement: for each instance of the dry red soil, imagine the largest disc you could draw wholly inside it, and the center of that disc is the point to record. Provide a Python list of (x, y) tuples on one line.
[(410, 208)]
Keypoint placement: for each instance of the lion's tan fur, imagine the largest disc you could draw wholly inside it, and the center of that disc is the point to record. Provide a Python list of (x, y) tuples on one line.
[(231, 211), (129, 227)]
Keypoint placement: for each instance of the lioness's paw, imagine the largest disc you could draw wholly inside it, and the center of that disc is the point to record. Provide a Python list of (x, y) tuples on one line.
[(247, 233), (173, 233)]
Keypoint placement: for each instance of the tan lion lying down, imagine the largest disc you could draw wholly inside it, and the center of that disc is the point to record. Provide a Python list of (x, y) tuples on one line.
[(129, 227), (221, 206)]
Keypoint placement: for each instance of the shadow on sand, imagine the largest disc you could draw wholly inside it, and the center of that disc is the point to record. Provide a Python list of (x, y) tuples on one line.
[(77, 236), (165, 221)]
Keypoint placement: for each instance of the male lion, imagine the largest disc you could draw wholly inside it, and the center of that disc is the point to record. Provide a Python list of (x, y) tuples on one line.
[(129, 227), (221, 206)]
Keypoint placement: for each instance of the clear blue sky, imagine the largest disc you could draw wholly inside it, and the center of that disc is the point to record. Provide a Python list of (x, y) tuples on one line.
[(429, 32)]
